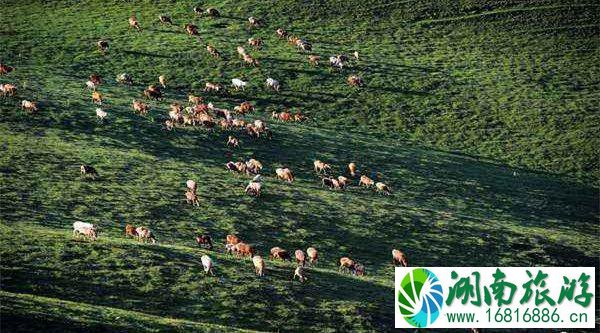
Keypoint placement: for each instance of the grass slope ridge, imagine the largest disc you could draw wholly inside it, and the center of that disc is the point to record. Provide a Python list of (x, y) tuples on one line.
[(446, 210)]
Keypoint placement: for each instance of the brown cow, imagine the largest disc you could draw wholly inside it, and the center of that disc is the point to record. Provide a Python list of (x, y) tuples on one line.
[(130, 231), (244, 250), (140, 107), (133, 23), (383, 188), (355, 81), (399, 258), (194, 100), (191, 198), (350, 265), (279, 253), (97, 98), (313, 255), (254, 189), (248, 59), (321, 167), (213, 51), (153, 92), (365, 181), (212, 87), (5, 69), (29, 106), (299, 272), (232, 141), (255, 42), (8, 89), (285, 174), (96, 79), (332, 183), (255, 22), (145, 234), (191, 29), (343, 181), (204, 241), (284, 116), (244, 108), (314, 60), (281, 33), (232, 239)]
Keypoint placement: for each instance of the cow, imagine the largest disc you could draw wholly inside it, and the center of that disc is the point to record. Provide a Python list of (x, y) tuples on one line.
[(144, 234), (133, 23), (253, 189), (355, 54), (86, 229), (244, 250), (241, 51), (352, 169), (191, 198), (130, 231), (213, 12), (204, 241), (248, 59), (279, 253), (355, 81), (285, 174), (255, 22), (336, 62), (332, 183), (97, 98), (191, 185), (102, 46), (101, 114), (343, 181), (303, 45), (314, 60), (281, 33), (284, 116), (153, 92), (349, 265), (140, 107), (244, 108), (254, 166), (191, 29), (209, 87), (213, 51), (241, 123), (239, 84), (383, 188), (198, 10), (124, 78), (208, 265), (5, 69), (163, 81), (313, 255), (399, 258), (8, 89), (259, 265), (299, 117), (233, 142), (365, 181), (255, 42), (164, 19), (88, 170), (194, 100), (96, 79), (232, 239), (321, 167), (300, 257), (299, 272), (273, 84)]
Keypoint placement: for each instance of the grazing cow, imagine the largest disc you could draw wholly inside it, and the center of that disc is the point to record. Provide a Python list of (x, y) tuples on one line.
[(343, 181), (241, 123), (176, 112), (355, 54), (255, 22), (259, 265), (244, 108), (191, 198), (281, 33), (8, 89), (232, 166), (86, 229), (153, 92), (314, 60), (130, 231), (299, 272), (229, 248), (300, 257), (284, 116), (164, 19), (90, 85), (279, 253), (355, 81), (194, 100), (260, 125), (248, 59), (337, 62), (102, 46), (350, 265), (163, 81), (232, 239), (140, 107), (273, 84), (232, 142), (213, 51), (253, 189), (212, 87), (124, 78), (96, 79), (313, 255), (169, 124), (285, 174), (383, 188), (101, 114), (133, 23), (239, 84), (321, 167), (352, 169), (88, 170), (399, 258), (303, 45), (191, 29), (97, 98), (299, 117), (254, 166), (204, 241), (198, 10), (144, 235), (365, 181), (191, 185), (213, 12), (5, 69), (208, 265), (244, 250), (255, 42), (332, 183)]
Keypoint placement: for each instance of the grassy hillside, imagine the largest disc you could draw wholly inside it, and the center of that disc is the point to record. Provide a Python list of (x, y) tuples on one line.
[(418, 62)]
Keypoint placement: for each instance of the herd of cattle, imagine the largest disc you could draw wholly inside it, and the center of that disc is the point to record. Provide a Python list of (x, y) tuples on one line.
[(209, 116)]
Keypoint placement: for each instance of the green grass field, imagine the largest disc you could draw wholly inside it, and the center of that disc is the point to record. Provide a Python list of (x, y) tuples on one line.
[(482, 116)]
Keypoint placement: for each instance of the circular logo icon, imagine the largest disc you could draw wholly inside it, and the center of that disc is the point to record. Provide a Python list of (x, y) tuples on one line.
[(420, 297)]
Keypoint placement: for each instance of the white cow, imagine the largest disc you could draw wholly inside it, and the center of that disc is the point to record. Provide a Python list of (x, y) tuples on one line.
[(272, 83), (85, 229), (101, 114), (237, 84), (208, 264)]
